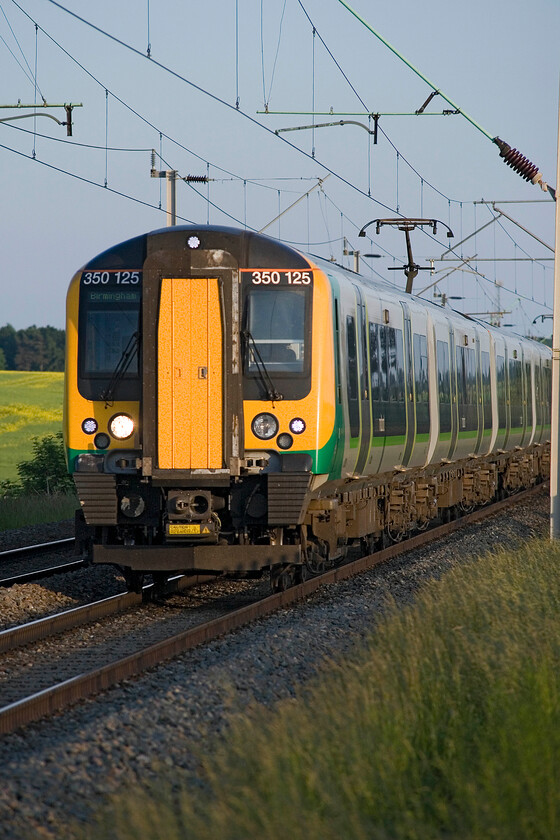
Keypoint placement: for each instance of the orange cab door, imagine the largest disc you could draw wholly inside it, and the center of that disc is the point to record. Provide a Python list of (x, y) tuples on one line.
[(189, 375)]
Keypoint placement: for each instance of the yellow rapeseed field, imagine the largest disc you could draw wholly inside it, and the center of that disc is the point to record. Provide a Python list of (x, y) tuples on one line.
[(30, 406)]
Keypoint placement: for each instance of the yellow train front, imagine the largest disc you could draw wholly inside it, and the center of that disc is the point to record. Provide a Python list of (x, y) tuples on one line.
[(199, 402)]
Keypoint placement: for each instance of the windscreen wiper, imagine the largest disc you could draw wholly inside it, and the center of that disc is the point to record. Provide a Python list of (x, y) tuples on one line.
[(123, 365), (264, 376)]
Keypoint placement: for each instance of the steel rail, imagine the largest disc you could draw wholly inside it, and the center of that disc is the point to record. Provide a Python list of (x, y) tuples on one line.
[(36, 574), (51, 625), (36, 548), (70, 691)]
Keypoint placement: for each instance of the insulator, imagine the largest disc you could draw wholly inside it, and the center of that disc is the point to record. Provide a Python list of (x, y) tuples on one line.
[(196, 179), (517, 161), (153, 158)]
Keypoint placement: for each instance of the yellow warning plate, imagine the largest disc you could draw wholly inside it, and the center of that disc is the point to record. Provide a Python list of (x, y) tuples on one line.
[(184, 529)]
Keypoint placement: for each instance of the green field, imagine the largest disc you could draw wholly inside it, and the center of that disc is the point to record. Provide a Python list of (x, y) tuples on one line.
[(30, 405)]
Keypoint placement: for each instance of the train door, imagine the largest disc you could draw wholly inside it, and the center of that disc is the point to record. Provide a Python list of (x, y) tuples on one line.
[(538, 401), (378, 388), (421, 376), (364, 384), (486, 396), (467, 397), (391, 399), (527, 400), (189, 377), (409, 394), (507, 397), (547, 396), (501, 392), (454, 400), (190, 411), (517, 409), (478, 395), (445, 412), (352, 389)]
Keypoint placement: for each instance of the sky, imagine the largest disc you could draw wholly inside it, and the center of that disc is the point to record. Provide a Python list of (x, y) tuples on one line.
[(222, 77)]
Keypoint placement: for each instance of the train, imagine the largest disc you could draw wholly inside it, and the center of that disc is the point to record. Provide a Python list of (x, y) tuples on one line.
[(234, 406)]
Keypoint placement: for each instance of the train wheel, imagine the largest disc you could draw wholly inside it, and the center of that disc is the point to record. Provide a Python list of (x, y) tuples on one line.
[(281, 579), (134, 580), (301, 574), (395, 536), (160, 580), (368, 544), (317, 559)]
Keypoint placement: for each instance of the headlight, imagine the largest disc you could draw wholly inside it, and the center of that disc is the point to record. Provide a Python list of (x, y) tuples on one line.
[(265, 426), (121, 426)]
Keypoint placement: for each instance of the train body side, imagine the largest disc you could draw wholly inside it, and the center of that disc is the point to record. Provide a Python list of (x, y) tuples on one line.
[(420, 384)]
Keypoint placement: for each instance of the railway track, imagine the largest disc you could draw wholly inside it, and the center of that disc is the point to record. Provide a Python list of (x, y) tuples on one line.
[(61, 694), (15, 557)]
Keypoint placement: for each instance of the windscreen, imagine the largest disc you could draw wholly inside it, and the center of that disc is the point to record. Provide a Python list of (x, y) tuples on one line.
[(109, 330), (276, 332), (276, 322)]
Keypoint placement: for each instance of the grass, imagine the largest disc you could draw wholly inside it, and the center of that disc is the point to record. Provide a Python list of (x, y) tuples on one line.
[(30, 405), (446, 724), (37, 509)]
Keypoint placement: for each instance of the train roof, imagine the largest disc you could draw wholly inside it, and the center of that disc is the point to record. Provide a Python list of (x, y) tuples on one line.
[(254, 245)]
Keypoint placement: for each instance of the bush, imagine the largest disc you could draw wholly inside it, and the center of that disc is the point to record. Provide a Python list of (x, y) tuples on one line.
[(46, 471), (10, 489)]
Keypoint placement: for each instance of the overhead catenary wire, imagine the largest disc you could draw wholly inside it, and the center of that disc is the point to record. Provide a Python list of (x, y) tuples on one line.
[(29, 71), (368, 111), (68, 142), (202, 90), (223, 102), (414, 69), (131, 109), (211, 95), (512, 157), (269, 94), (88, 181), (215, 98)]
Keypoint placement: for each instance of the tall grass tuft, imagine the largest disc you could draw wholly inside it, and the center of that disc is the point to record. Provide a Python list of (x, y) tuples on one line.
[(35, 509), (446, 724)]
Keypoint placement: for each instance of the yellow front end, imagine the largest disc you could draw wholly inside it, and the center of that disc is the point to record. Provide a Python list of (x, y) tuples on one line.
[(317, 409), (84, 420)]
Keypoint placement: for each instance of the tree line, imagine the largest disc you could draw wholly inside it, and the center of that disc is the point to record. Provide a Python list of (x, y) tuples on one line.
[(33, 348), (42, 348)]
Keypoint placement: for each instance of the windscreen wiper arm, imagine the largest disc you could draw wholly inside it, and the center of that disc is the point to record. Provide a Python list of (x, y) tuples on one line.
[(264, 376), (126, 358)]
